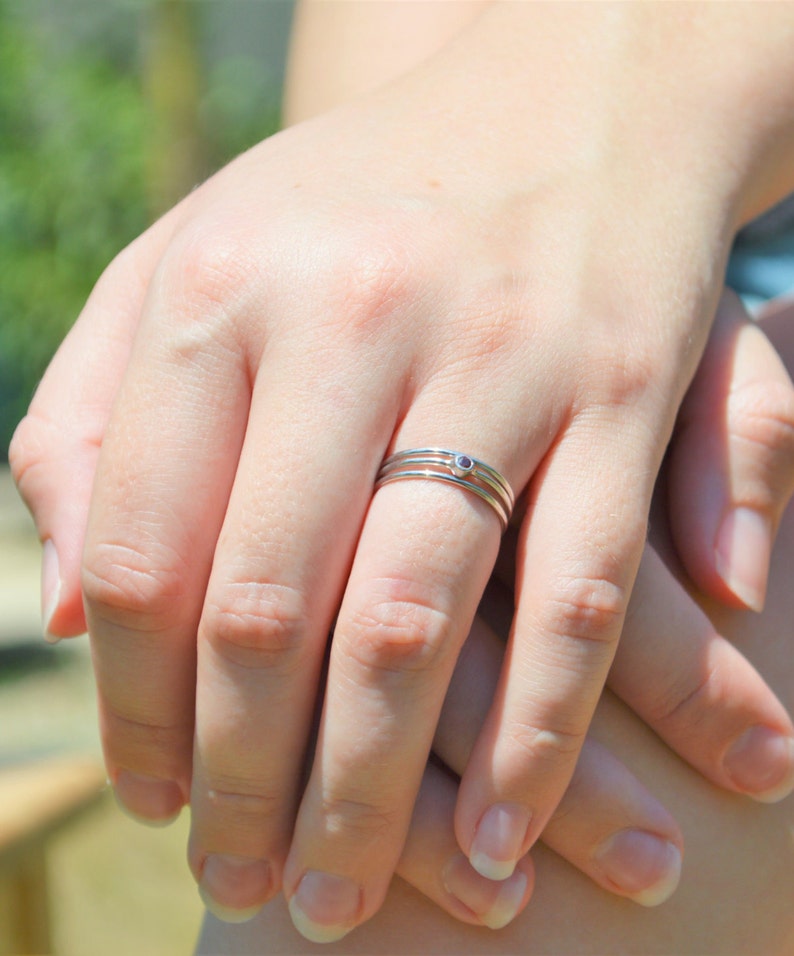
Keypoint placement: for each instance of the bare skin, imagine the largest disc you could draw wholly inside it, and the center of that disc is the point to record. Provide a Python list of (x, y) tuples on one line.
[(186, 267), (566, 915), (735, 894)]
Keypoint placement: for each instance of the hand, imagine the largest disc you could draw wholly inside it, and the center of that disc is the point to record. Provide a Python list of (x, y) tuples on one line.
[(607, 824), (604, 800), (362, 335)]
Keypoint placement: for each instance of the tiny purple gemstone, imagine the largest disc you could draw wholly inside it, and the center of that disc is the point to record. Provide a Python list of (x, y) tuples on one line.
[(463, 465)]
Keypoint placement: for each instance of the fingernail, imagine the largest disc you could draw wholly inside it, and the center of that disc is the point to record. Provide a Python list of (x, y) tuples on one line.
[(325, 907), (495, 904), (499, 841), (742, 552), (234, 888), (147, 799), (640, 865), (50, 588), (761, 764)]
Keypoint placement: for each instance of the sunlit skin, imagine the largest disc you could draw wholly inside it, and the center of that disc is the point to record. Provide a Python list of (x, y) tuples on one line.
[(396, 273)]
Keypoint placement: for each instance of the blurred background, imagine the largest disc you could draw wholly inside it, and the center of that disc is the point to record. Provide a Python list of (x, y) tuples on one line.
[(110, 111)]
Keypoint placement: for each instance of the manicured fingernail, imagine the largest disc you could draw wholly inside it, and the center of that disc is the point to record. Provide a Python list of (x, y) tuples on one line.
[(640, 865), (234, 888), (50, 588), (325, 907), (499, 841), (761, 764), (147, 799), (495, 904), (742, 551)]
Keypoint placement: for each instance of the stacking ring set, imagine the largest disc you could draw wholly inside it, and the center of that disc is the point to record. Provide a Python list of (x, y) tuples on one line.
[(454, 468)]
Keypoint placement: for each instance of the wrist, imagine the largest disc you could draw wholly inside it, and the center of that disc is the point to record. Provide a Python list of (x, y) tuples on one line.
[(745, 70), (706, 90)]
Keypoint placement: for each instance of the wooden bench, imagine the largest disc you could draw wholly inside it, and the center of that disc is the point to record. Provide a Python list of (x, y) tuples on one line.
[(37, 800)]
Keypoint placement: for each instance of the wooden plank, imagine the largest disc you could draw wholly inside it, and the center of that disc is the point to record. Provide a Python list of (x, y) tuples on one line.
[(24, 907), (39, 798), (36, 800)]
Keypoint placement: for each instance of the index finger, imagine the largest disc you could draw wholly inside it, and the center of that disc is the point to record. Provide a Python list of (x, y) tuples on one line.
[(54, 451)]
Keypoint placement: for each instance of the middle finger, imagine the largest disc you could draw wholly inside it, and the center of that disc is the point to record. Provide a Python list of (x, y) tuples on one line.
[(277, 578), (421, 564)]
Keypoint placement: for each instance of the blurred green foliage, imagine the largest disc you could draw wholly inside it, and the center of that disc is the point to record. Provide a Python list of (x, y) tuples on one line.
[(74, 127), (71, 192)]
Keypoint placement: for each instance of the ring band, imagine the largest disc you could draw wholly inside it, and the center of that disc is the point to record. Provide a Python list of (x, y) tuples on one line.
[(456, 469)]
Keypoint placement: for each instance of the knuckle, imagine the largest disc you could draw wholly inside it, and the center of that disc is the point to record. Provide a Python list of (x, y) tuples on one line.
[(393, 635), (545, 748), (209, 282), (686, 701), (492, 330), (586, 607), (356, 820), (143, 740), (124, 585), (762, 414), (244, 802), (257, 625), (208, 266), (369, 277), (27, 448), (40, 443), (616, 377)]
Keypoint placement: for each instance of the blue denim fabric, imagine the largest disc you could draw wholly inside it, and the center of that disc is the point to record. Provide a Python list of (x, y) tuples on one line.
[(761, 265)]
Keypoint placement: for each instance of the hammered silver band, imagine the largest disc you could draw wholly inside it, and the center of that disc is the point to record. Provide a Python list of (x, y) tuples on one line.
[(454, 468)]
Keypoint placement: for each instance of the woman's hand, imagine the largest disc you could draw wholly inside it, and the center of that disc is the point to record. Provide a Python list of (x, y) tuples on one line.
[(707, 703), (667, 647), (394, 275)]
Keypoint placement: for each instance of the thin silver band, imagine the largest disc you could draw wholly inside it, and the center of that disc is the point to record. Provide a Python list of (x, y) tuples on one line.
[(454, 468)]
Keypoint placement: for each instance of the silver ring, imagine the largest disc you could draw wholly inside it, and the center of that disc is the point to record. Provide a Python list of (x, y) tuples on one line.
[(456, 469)]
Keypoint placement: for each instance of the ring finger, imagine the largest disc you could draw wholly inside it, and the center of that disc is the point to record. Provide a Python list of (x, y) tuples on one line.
[(422, 562)]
